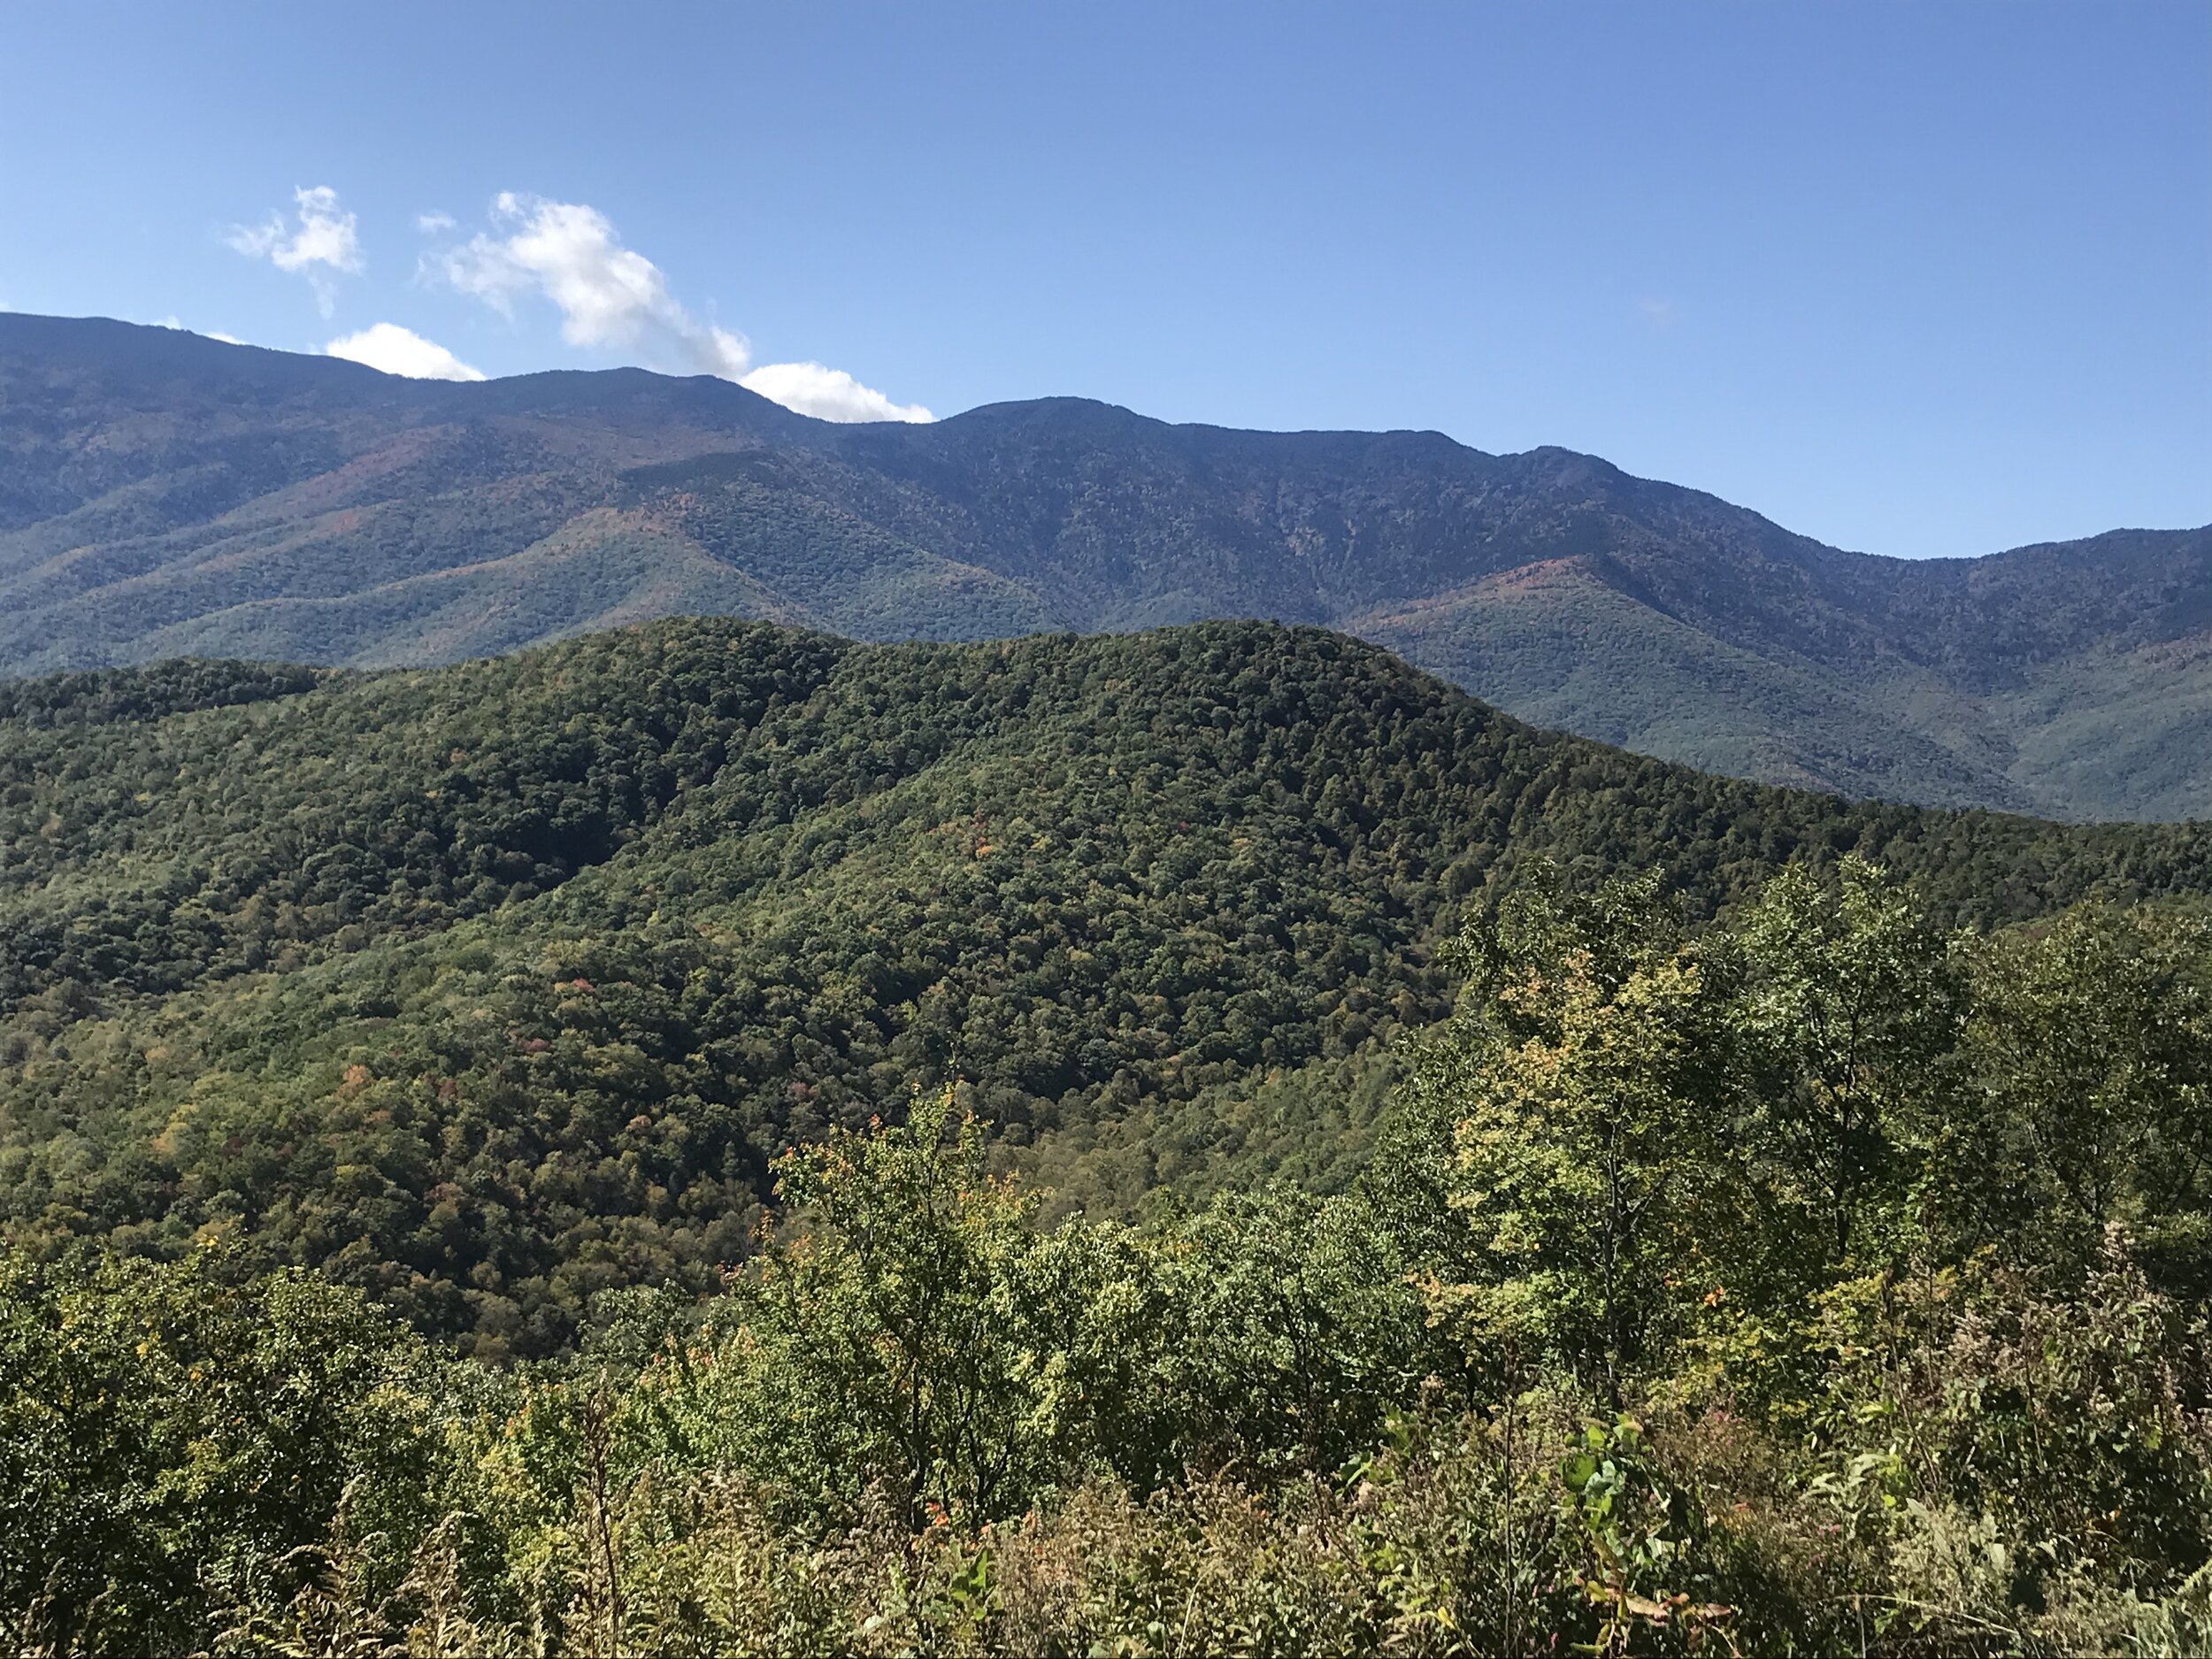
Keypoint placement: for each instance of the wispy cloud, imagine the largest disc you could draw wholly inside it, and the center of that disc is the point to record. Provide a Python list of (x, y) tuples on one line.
[(612, 297), (397, 350), (1658, 312), (433, 222), (323, 242)]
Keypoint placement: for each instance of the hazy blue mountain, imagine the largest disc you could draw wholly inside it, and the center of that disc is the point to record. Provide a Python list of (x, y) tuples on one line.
[(161, 494)]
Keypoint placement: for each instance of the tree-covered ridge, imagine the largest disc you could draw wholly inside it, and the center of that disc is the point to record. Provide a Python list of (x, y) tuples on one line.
[(166, 495), (487, 986), (176, 687), (1816, 1280), (187, 822)]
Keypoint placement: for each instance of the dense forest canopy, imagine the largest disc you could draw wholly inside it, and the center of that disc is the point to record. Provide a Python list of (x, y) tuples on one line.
[(489, 987), (1819, 1280)]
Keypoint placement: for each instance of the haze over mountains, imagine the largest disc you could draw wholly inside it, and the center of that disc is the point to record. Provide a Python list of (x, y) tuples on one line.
[(163, 495)]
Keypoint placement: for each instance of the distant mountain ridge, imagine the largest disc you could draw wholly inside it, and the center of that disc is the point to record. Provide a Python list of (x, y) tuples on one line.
[(163, 494)]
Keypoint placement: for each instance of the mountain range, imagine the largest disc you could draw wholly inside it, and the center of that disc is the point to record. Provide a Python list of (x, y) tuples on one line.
[(166, 495)]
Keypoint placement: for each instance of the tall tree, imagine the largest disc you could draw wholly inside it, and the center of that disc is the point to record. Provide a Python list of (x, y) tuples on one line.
[(882, 1338), (1843, 1004), (1583, 1123), (2087, 1086)]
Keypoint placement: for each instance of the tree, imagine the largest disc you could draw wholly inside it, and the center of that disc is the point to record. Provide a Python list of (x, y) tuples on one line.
[(1575, 1075), (1298, 1330), (171, 1441), (1844, 1004), (2086, 1095), (884, 1338)]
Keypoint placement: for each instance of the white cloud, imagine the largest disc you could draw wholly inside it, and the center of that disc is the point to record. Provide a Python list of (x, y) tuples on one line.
[(398, 350), (826, 394), (327, 236), (613, 296), (173, 321), (608, 295), (1659, 313), (431, 223)]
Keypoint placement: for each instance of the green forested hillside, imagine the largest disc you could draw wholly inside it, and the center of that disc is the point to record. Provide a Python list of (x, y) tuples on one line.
[(1813, 1281), (163, 495), (489, 987)]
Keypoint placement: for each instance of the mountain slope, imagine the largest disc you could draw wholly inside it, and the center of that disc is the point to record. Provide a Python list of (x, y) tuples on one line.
[(490, 986), (159, 493)]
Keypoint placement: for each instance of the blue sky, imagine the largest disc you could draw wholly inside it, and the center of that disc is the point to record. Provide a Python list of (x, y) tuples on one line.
[(1917, 277)]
